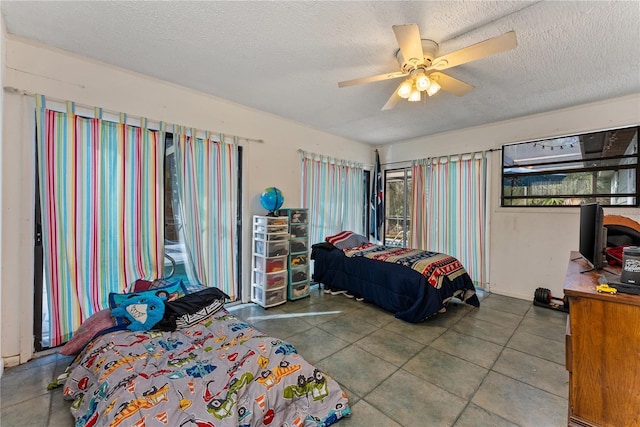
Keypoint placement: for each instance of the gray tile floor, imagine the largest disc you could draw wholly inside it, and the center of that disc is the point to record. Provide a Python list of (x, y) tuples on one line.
[(500, 365)]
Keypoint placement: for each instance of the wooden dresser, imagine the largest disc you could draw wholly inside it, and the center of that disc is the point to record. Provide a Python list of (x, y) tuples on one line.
[(603, 351)]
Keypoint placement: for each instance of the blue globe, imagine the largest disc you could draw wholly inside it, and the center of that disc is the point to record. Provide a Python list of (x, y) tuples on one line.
[(272, 199)]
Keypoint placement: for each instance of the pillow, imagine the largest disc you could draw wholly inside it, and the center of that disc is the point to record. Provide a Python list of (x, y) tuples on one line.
[(170, 293), (141, 285), (347, 239), (91, 327), (192, 288), (201, 315), (142, 311), (192, 308), (144, 285)]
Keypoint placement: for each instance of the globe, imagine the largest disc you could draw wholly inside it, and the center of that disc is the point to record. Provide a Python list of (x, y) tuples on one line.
[(271, 199)]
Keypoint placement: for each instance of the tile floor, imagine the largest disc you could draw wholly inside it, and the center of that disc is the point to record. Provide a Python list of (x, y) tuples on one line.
[(500, 365)]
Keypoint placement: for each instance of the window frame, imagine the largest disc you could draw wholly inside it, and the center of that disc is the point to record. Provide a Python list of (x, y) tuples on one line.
[(407, 176), (585, 197)]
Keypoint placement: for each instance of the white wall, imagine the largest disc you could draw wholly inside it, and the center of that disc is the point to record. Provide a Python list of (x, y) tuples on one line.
[(35, 68), (3, 36), (529, 247)]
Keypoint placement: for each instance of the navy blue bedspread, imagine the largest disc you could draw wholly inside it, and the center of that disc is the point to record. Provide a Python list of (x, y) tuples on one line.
[(394, 287)]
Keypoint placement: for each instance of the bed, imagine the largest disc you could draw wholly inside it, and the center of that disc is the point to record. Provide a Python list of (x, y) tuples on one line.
[(410, 283), (218, 371)]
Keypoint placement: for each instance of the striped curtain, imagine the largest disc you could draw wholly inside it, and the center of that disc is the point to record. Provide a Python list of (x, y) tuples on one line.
[(419, 211), (449, 209), (207, 186), (333, 191), (102, 212)]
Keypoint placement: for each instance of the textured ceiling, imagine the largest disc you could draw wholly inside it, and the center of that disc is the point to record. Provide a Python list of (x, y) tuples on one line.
[(286, 58)]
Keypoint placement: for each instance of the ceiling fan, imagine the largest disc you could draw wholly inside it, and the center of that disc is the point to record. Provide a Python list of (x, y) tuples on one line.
[(420, 63)]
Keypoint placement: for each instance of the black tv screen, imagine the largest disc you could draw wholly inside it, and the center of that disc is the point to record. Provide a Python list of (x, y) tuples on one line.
[(592, 234)]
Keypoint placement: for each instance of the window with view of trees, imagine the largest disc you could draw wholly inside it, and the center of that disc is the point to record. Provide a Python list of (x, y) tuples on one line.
[(397, 207), (568, 171)]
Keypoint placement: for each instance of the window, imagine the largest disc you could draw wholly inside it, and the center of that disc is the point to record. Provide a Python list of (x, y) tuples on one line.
[(178, 259), (568, 171), (397, 207), (176, 256)]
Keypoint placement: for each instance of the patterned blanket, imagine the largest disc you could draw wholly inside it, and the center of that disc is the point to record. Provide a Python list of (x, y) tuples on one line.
[(432, 265), (218, 373)]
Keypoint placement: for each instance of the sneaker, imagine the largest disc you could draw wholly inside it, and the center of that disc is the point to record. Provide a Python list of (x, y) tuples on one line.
[(349, 295), (359, 299), (337, 292), (327, 290)]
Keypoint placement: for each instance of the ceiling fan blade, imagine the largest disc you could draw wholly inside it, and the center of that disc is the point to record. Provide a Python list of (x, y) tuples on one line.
[(393, 100), (506, 41), (453, 85), (408, 37), (371, 79)]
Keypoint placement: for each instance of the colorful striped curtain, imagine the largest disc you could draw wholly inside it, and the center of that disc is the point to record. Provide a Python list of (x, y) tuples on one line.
[(419, 210), (207, 185), (102, 212), (333, 191), (449, 209)]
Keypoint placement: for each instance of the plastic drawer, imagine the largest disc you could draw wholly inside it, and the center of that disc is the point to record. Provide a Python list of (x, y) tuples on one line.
[(299, 290), (270, 265), (271, 248), (298, 215), (298, 245), (299, 274), (270, 280), (269, 298), (271, 228), (270, 220), (298, 260), (271, 236), (299, 230)]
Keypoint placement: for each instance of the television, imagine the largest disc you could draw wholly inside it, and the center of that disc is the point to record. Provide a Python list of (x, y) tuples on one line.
[(593, 234)]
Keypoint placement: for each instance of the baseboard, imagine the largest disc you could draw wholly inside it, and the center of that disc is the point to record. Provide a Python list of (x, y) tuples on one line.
[(10, 361), (510, 294)]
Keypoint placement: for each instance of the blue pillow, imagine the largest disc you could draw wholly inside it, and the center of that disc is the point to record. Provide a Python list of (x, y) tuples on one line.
[(142, 311), (169, 293)]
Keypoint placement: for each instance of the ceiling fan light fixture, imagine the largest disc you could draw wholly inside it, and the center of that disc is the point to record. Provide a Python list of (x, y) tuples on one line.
[(420, 64), (415, 96), (433, 88), (422, 82), (404, 91)]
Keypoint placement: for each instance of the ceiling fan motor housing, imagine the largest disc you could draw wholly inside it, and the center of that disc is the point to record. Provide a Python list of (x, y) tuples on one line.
[(430, 51)]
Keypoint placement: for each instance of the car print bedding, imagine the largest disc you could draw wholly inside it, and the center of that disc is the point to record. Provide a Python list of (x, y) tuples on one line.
[(411, 294), (219, 372)]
